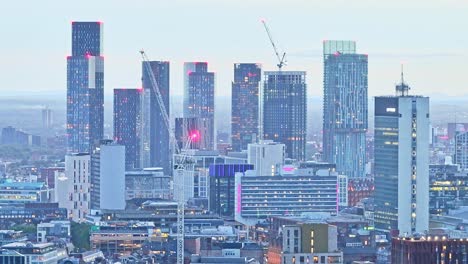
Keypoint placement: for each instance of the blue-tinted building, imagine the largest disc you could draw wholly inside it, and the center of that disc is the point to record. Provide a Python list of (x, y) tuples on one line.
[(345, 107), (222, 187), (244, 115), (199, 86), (127, 124), (155, 135), (285, 111), (85, 88)]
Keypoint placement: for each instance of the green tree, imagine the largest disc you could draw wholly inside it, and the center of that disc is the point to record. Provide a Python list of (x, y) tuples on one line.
[(80, 235)]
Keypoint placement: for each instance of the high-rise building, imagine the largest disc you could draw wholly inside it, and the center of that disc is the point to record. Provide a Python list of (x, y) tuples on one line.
[(345, 107), (266, 156), (186, 127), (46, 118), (155, 150), (85, 88), (108, 176), (461, 150), (72, 188), (285, 111), (199, 87), (244, 114), (127, 124), (401, 153)]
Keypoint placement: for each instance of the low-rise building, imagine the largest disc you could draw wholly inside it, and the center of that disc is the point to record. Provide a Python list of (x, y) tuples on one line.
[(11, 236), (24, 192), (53, 230), (33, 253)]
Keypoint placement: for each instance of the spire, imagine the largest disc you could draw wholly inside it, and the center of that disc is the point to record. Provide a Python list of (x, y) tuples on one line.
[(402, 88)]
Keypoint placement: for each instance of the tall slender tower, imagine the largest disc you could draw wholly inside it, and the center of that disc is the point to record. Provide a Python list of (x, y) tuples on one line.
[(345, 107), (155, 135), (199, 88), (85, 88), (127, 124), (244, 115), (401, 146), (285, 111)]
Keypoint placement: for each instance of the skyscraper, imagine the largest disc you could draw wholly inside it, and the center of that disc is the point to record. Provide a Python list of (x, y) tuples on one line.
[(345, 107), (127, 124), (244, 122), (155, 134), (285, 111), (46, 118), (461, 150), (85, 88), (199, 93), (402, 162), (187, 126)]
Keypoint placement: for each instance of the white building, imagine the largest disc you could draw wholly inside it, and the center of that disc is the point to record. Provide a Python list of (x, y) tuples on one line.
[(267, 157), (72, 188), (108, 176), (402, 163), (33, 253)]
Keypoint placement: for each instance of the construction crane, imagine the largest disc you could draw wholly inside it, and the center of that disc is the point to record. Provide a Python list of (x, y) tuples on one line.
[(281, 58), (182, 164)]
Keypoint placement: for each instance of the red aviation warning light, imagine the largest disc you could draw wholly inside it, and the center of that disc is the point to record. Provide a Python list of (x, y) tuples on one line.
[(194, 135)]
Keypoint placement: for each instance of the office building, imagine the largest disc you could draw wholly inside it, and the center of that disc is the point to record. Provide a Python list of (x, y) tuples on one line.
[(108, 176), (196, 177), (401, 152), (260, 197), (53, 230), (85, 88), (155, 134), (285, 111), (267, 157), (72, 189), (27, 252), (149, 183), (312, 241), (244, 105), (453, 128), (448, 188), (222, 188), (429, 249), (127, 124), (186, 127), (199, 89), (30, 212), (23, 192), (345, 107), (13, 136), (461, 150)]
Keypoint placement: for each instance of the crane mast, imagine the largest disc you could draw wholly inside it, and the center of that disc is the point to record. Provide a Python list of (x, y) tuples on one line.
[(182, 165), (281, 58)]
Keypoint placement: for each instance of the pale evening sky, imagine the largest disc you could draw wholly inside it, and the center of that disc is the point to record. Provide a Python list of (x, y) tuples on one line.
[(430, 37)]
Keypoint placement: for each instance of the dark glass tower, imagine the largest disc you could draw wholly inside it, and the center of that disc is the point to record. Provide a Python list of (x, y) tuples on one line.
[(85, 88), (285, 111), (127, 120), (199, 93), (345, 107), (244, 122), (156, 136)]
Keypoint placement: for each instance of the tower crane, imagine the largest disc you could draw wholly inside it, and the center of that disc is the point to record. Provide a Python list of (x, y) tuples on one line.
[(281, 58), (182, 164)]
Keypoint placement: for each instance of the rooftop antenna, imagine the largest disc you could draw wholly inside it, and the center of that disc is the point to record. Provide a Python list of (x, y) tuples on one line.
[(402, 89)]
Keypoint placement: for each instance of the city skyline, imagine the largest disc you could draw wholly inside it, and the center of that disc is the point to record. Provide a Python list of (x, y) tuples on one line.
[(422, 54)]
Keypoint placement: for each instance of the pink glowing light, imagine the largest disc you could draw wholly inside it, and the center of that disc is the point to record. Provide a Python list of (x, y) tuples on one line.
[(195, 135)]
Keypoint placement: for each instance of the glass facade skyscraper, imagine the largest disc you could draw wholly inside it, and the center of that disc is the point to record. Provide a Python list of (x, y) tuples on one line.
[(85, 88), (401, 152), (345, 107), (244, 118), (199, 87), (155, 134), (285, 111), (127, 124)]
